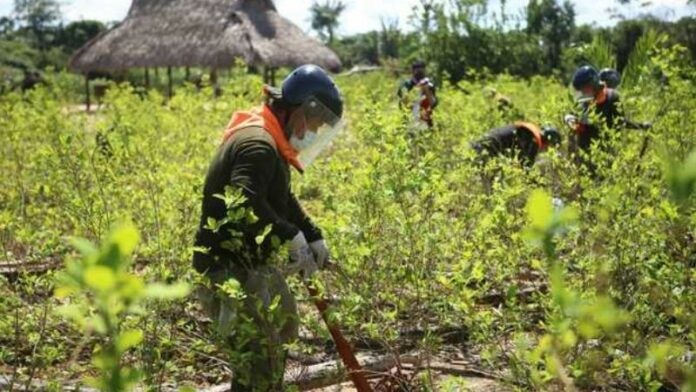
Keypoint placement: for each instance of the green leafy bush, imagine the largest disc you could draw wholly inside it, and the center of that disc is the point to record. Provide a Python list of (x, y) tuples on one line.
[(103, 293), (431, 254)]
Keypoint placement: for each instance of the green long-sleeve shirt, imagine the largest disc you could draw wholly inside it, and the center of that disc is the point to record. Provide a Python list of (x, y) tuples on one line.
[(250, 162)]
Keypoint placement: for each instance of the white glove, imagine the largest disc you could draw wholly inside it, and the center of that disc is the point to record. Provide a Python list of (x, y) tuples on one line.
[(570, 120), (321, 252), (557, 204), (301, 257)]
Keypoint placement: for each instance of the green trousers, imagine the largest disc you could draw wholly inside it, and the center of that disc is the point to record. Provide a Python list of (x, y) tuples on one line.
[(253, 325)]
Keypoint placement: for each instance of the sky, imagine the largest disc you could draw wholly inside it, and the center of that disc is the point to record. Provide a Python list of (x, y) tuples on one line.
[(366, 15)]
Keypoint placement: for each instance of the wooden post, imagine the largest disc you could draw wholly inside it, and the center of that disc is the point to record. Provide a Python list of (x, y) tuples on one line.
[(169, 82), (265, 74), (147, 77), (187, 73), (273, 74), (87, 90), (214, 82)]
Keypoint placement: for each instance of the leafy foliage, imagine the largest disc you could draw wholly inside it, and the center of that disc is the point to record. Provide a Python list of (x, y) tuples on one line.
[(554, 23), (640, 58), (103, 294), (598, 53), (325, 18), (426, 247)]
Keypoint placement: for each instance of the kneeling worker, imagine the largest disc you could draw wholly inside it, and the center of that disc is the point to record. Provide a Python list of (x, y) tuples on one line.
[(521, 140)]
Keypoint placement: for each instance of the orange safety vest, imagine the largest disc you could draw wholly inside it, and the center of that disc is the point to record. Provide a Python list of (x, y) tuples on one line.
[(601, 96), (263, 117), (536, 132)]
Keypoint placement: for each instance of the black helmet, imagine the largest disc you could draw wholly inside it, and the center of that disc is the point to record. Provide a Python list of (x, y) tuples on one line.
[(585, 76), (311, 81), (610, 77), (551, 135), (418, 64), (418, 70)]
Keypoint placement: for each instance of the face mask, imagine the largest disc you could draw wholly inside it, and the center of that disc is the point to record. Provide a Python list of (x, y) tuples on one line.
[(305, 142), (583, 97)]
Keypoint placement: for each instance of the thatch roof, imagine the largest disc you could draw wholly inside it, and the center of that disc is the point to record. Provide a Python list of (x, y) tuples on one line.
[(202, 33)]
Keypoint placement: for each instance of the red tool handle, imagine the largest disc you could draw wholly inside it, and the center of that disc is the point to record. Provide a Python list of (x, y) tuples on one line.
[(344, 350)]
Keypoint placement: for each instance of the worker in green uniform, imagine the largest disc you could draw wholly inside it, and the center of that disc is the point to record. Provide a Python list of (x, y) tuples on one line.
[(253, 164)]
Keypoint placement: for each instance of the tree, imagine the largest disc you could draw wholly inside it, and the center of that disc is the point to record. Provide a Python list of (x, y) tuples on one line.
[(7, 26), (75, 34), (453, 40), (626, 34), (361, 48), (685, 33), (18, 55), (554, 23), (389, 39), (38, 17), (325, 18)]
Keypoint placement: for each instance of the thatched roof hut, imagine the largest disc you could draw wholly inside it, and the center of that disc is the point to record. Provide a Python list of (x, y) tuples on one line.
[(202, 33)]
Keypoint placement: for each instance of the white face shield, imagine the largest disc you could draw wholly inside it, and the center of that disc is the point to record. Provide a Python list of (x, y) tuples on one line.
[(582, 98), (312, 128), (584, 95)]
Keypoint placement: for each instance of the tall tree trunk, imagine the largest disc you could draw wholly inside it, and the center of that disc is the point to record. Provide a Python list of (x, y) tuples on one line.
[(170, 88)]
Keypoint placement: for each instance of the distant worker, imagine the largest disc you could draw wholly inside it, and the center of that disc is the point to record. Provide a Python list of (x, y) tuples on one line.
[(503, 104), (595, 99), (254, 160), (30, 80), (423, 106), (521, 141), (502, 101)]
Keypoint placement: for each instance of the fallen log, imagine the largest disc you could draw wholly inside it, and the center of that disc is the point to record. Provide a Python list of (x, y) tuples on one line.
[(331, 373), (454, 369), (307, 377), (12, 269), (360, 69), (7, 383), (496, 298), (324, 374)]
